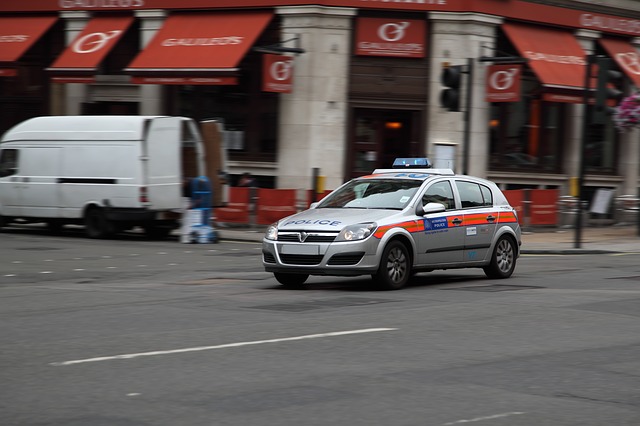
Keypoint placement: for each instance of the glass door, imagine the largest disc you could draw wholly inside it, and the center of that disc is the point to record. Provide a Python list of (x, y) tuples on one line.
[(378, 136)]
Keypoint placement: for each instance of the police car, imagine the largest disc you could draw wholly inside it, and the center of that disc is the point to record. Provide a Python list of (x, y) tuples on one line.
[(394, 223)]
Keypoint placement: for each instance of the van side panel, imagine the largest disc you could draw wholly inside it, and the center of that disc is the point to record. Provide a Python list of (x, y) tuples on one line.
[(38, 173), (163, 163), (100, 173)]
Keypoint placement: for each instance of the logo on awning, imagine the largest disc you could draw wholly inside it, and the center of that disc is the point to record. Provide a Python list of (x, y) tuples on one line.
[(93, 42)]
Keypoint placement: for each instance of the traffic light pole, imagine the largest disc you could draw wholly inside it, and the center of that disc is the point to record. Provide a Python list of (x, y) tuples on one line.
[(583, 145), (467, 117)]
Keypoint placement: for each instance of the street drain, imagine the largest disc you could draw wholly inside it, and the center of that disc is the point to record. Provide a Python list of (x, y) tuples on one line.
[(495, 288), (321, 304)]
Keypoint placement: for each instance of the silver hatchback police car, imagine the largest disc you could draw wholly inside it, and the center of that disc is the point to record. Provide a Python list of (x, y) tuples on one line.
[(394, 223)]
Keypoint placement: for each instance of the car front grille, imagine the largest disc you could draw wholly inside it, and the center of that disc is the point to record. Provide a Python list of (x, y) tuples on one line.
[(268, 257), (346, 258), (308, 237), (301, 259)]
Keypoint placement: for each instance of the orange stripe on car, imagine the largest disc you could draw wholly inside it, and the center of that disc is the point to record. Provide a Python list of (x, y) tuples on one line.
[(507, 217), (410, 226)]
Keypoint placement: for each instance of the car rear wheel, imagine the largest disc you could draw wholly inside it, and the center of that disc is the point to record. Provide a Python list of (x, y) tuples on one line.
[(395, 267), (503, 259), (291, 280)]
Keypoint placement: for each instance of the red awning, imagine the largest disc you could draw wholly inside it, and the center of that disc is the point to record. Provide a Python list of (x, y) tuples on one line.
[(17, 35), (200, 44), (88, 50), (555, 56), (625, 55)]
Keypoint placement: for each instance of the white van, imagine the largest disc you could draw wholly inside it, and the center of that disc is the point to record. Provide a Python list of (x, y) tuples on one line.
[(110, 173)]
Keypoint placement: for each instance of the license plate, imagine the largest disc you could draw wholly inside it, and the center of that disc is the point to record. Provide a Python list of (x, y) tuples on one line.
[(299, 249)]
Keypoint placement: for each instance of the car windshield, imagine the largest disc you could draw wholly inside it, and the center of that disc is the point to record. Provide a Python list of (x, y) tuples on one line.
[(393, 194)]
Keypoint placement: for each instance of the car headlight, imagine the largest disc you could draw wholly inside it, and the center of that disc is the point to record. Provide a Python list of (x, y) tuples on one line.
[(272, 232), (356, 232)]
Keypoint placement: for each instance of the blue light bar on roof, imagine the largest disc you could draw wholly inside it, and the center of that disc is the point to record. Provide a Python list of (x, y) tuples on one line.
[(411, 163)]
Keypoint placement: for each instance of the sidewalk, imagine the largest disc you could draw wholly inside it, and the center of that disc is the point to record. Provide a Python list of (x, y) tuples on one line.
[(594, 240)]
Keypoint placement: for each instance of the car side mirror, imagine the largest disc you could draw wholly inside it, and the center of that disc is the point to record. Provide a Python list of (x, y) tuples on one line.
[(429, 208)]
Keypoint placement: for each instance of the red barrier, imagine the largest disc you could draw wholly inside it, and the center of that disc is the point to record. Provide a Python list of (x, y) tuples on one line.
[(516, 199), (543, 206), (237, 209), (274, 204)]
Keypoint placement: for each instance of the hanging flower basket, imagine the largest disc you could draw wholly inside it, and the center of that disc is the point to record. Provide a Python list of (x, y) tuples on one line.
[(627, 115)]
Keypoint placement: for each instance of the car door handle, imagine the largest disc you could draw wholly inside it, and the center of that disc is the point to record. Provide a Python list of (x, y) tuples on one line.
[(456, 221), (491, 218)]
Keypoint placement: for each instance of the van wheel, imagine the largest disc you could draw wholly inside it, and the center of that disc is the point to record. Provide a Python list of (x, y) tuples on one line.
[(503, 259), (395, 267), (96, 224)]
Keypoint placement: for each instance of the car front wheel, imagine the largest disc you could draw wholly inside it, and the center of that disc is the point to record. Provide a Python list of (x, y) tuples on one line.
[(395, 267), (503, 259), (291, 280)]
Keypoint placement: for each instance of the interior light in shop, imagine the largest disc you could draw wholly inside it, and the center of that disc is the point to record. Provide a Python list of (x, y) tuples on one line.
[(393, 125), (494, 123)]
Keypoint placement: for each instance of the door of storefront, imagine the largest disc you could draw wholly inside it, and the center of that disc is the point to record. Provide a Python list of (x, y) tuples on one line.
[(378, 136)]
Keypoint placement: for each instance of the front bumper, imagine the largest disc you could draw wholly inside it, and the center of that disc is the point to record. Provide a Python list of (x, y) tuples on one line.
[(345, 258)]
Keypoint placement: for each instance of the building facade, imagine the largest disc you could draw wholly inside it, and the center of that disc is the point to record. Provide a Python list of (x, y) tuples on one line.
[(340, 87)]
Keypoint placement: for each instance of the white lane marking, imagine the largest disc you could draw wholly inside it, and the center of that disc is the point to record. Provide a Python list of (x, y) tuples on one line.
[(17, 261), (228, 345), (46, 272), (479, 419), (630, 253), (10, 275), (78, 269)]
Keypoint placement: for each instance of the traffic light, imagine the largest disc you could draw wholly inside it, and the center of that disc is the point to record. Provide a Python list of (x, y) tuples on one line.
[(608, 90), (451, 78)]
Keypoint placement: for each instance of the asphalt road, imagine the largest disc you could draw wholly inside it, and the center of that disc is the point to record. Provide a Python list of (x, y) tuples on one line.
[(132, 332)]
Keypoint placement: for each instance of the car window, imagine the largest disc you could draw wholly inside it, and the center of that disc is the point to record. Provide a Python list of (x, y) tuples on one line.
[(8, 162), (473, 194), (440, 192), (487, 195), (392, 194)]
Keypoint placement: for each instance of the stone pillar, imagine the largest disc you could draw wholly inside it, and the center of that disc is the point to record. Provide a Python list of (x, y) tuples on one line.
[(312, 124), (73, 94), (150, 94), (455, 37)]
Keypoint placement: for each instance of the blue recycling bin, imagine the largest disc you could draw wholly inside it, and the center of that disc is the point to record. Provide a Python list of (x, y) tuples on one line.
[(201, 196)]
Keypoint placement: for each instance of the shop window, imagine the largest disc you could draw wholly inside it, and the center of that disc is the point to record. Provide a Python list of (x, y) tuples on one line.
[(527, 135), (601, 148), (249, 115)]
